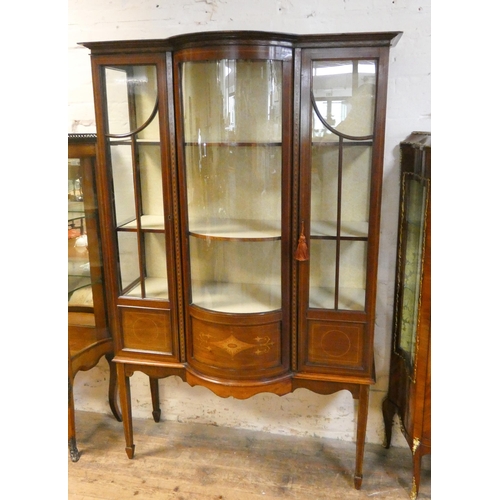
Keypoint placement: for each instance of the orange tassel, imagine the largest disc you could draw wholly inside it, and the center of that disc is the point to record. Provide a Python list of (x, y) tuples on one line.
[(302, 252)]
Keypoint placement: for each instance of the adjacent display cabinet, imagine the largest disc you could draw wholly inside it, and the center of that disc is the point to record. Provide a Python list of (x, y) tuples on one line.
[(239, 186), (410, 375), (89, 338)]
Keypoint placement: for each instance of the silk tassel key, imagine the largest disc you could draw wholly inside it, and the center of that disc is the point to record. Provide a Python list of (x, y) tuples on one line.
[(302, 252)]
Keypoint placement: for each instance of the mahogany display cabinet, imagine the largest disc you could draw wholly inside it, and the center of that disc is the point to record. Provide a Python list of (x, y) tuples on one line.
[(239, 185), (409, 393), (89, 338)]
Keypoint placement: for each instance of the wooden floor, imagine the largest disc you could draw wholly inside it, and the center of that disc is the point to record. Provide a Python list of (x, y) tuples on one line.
[(200, 462)]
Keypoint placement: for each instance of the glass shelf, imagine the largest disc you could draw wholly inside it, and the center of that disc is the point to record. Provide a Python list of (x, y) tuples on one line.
[(156, 288), (236, 297), (328, 229), (352, 299), (139, 142)]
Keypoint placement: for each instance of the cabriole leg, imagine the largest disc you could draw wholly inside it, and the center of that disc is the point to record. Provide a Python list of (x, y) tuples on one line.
[(73, 450), (113, 388), (388, 412), (417, 461)]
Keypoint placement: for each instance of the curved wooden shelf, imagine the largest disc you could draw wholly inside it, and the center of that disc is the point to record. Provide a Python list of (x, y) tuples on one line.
[(236, 229)]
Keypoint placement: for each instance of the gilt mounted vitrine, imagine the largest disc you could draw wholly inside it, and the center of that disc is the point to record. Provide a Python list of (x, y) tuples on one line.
[(409, 394)]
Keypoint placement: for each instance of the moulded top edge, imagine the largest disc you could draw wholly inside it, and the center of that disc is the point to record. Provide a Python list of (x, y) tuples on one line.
[(377, 39), (418, 140)]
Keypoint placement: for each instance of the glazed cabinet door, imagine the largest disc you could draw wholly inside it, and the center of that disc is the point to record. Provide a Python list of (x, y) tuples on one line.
[(233, 107), (136, 187), (342, 97)]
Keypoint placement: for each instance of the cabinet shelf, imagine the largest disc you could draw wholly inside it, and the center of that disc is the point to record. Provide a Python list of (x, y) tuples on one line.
[(348, 229), (148, 223), (351, 299), (236, 297), (140, 142), (336, 143), (233, 143), (156, 288), (236, 229)]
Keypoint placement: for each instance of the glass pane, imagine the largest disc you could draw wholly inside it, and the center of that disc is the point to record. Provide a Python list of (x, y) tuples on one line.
[(342, 117), (232, 126), (236, 276), (416, 199), (344, 91), (79, 279), (356, 182), (352, 275), (230, 186), (156, 285), (324, 190), (123, 183), (150, 173), (230, 100), (131, 94), (322, 273), (137, 176), (128, 255)]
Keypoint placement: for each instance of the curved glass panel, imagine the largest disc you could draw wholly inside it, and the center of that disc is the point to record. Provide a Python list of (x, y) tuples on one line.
[(344, 93), (229, 100), (233, 160), (236, 276)]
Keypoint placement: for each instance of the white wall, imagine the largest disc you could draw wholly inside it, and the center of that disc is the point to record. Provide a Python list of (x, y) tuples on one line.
[(300, 413)]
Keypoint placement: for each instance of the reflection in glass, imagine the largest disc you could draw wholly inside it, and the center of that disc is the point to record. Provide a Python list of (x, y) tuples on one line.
[(232, 129), (131, 95), (230, 100), (344, 92)]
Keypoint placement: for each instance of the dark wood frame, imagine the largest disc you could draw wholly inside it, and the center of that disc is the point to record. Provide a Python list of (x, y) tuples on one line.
[(295, 371)]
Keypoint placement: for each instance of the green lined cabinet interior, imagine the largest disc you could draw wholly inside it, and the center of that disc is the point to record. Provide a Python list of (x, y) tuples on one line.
[(239, 184)]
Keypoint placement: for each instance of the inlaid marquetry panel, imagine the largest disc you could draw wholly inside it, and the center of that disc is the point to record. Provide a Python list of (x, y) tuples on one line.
[(240, 347), (335, 344), (146, 330)]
